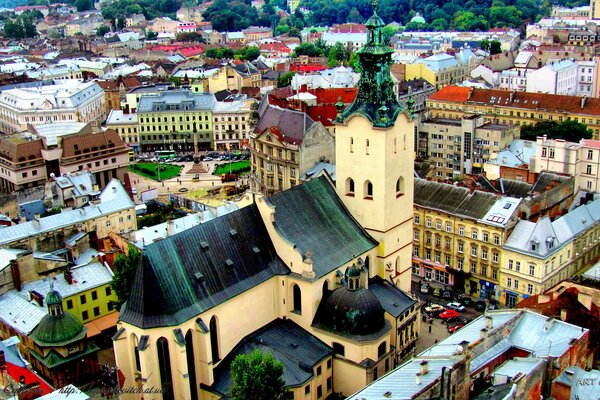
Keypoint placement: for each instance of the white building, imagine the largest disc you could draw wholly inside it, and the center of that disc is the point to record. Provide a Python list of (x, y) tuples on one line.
[(340, 77), (587, 81), (232, 123), (557, 78), (356, 40), (513, 79), (69, 100)]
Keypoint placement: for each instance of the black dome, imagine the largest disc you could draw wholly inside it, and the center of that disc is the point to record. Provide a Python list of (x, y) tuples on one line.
[(357, 312)]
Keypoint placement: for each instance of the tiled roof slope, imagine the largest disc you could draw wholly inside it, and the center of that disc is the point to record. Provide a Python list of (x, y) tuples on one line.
[(453, 199), (288, 343), (291, 124), (314, 218), (179, 279), (524, 100)]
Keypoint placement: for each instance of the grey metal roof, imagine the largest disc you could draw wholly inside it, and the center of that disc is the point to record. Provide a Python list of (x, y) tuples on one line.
[(180, 277), (85, 277), (393, 300), (6, 255), (402, 385), (291, 124), (19, 313), (312, 217), (547, 178), (176, 99), (453, 199), (574, 376), (113, 198), (298, 350), (512, 367), (539, 335), (549, 236)]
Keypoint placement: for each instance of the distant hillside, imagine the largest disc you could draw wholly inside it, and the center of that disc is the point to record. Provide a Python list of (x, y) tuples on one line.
[(12, 3)]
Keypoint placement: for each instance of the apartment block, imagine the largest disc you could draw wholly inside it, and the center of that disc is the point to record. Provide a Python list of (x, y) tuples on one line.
[(174, 119), (514, 108), (461, 146), (538, 255)]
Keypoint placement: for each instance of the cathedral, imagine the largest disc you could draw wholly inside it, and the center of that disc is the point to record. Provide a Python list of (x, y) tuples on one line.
[(317, 275)]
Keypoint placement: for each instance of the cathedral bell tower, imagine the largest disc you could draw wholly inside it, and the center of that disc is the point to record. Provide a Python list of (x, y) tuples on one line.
[(375, 159)]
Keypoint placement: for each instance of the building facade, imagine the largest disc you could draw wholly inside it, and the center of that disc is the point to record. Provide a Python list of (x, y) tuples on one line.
[(514, 108), (233, 123), (64, 101), (459, 147), (460, 247), (538, 255), (174, 119)]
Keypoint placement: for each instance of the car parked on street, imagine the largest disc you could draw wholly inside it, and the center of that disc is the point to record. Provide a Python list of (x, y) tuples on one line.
[(465, 301), (455, 306), (447, 294), (480, 306), (448, 314), (434, 308), (437, 292), (424, 288), (455, 327)]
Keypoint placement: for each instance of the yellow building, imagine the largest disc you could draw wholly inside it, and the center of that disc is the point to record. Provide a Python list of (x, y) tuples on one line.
[(233, 123), (85, 290), (514, 108), (126, 125), (443, 69), (284, 146), (458, 236), (300, 270), (234, 77), (539, 255), (173, 119)]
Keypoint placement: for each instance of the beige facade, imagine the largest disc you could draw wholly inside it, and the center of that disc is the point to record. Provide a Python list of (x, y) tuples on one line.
[(232, 124), (375, 180), (458, 147), (278, 164), (581, 160), (539, 255)]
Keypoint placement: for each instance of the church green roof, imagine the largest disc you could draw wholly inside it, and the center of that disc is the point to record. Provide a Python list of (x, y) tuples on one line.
[(375, 98), (58, 330), (53, 297)]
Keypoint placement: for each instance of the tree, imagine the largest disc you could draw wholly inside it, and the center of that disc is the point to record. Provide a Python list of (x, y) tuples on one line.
[(151, 35), (285, 80), (247, 53), (84, 5), (102, 30), (308, 49), (569, 130), (189, 37), (257, 376), (124, 269), (495, 47), (485, 44)]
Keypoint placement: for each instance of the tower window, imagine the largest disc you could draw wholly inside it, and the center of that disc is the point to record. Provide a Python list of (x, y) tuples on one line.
[(399, 187), (297, 299), (349, 187), (368, 190), (367, 147)]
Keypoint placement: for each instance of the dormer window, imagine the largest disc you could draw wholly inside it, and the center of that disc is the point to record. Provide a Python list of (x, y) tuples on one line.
[(534, 245)]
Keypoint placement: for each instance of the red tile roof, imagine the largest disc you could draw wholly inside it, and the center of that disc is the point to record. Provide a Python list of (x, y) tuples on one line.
[(595, 144), (523, 100), (191, 51), (17, 372), (451, 93), (274, 47)]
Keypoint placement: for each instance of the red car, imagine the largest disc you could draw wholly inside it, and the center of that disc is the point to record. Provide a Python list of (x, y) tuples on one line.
[(456, 327), (448, 314)]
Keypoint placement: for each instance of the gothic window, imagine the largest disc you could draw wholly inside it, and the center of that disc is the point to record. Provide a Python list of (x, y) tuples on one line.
[(214, 339), (368, 190), (349, 187), (400, 187), (297, 299)]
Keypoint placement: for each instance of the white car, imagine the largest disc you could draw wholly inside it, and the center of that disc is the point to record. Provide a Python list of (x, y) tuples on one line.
[(456, 306)]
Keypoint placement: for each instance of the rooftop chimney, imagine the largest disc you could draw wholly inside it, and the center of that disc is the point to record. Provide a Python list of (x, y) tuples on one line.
[(563, 314), (68, 276), (424, 367), (418, 378), (170, 227), (583, 101), (548, 324), (16, 274), (488, 322)]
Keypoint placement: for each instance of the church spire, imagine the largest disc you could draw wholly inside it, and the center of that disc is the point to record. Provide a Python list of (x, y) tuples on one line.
[(375, 98)]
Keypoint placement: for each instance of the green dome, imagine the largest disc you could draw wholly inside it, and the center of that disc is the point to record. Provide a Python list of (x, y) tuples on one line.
[(58, 330), (353, 271), (53, 297)]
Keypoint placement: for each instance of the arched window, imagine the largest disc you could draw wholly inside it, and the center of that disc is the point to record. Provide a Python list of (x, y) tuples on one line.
[(367, 262), (189, 353), (164, 366), (400, 187), (136, 352), (325, 288), (297, 299), (214, 339), (368, 190), (338, 348), (349, 187), (382, 349)]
